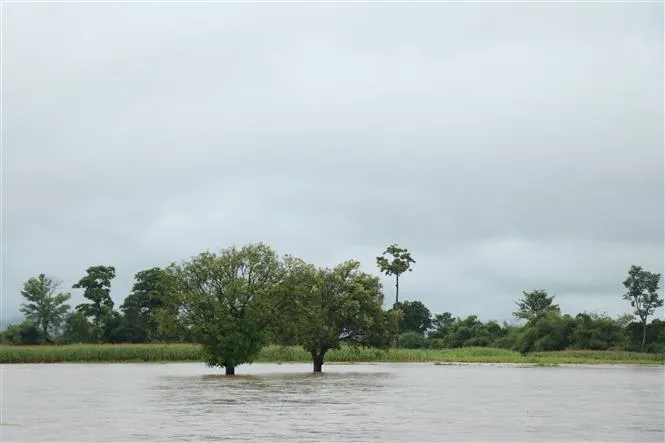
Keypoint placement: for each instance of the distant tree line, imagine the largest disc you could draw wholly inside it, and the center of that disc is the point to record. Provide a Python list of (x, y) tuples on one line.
[(238, 300)]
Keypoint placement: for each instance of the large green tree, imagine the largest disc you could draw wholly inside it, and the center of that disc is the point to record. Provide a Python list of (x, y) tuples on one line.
[(226, 301), (44, 306), (96, 285), (535, 304), (642, 292), (337, 306), (141, 307)]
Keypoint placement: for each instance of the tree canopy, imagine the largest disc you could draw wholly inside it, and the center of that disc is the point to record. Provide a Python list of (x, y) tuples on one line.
[(534, 304), (335, 306), (642, 292), (149, 295), (226, 301), (416, 317), (43, 306), (97, 288), (238, 300), (395, 261)]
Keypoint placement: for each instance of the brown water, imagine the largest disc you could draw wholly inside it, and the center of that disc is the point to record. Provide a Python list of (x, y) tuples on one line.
[(380, 402)]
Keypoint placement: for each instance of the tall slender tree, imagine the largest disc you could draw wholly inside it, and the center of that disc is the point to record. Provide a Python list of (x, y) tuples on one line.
[(43, 305), (643, 295), (395, 261), (97, 288)]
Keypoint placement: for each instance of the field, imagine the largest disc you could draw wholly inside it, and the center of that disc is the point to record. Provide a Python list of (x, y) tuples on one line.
[(278, 354)]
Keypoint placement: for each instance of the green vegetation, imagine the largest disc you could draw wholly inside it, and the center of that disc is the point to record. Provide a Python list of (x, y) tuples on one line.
[(97, 288), (226, 300), (239, 304), (643, 295), (399, 263), (184, 352), (331, 307), (43, 307)]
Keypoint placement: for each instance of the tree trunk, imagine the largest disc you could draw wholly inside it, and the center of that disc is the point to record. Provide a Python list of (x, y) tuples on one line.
[(397, 289), (45, 328), (644, 335), (318, 361), (230, 370), (397, 306)]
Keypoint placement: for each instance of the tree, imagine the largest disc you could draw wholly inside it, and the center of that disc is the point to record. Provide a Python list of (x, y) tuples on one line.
[(336, 306), (77, 329), (400, 263), (225, 301), (535, 304), (441, 324), (44, 307), (142, 305), (97, 288), (416, 317), (642, 292)]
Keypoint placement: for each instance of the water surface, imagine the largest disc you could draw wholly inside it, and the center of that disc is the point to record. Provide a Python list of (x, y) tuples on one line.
[(369, 402)]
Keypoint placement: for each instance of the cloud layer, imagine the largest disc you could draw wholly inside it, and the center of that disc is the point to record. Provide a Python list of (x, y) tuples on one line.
[(508, 147)]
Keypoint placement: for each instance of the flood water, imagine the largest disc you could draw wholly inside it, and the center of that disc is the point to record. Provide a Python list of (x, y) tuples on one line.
[(373, 402)]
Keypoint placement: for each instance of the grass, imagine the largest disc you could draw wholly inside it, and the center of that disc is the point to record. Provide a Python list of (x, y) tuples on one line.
[(277, 354)]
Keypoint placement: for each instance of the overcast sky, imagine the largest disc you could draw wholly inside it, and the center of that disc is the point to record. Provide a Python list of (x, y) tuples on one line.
[(508, 147)]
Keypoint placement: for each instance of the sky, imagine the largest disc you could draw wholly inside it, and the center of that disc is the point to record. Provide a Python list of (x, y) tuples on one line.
[(508, 147)]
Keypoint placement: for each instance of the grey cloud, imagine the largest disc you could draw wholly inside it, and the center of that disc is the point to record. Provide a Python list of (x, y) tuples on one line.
[(509, 147)]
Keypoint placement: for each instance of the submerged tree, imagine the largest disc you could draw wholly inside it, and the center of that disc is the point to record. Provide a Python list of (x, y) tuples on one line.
[(532, 305), (337, 306), (643, 295), (43, 306), (225, 301), (97, 288)]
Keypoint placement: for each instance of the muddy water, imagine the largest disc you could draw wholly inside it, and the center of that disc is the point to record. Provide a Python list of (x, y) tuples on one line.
[(379, 402)]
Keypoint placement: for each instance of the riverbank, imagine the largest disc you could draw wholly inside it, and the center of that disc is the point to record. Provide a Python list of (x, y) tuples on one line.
[(278, 354)]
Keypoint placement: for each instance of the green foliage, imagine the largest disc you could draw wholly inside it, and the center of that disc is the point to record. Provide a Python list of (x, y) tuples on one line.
[(597, 332), (235, 302), (141, 307), (416, 317), (395, 261), (77, 329), (25, 333), (411, 340), (548, 332), (442, 324), (642, 292), (225, 301), (97, 288), (535, 304), (43, 306), (328, 307)]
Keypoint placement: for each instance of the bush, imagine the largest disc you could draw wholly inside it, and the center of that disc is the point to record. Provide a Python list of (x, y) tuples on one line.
[(26, 333), (411, 340)]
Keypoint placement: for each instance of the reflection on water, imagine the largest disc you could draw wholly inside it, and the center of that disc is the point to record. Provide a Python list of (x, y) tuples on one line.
[(386, 402)]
